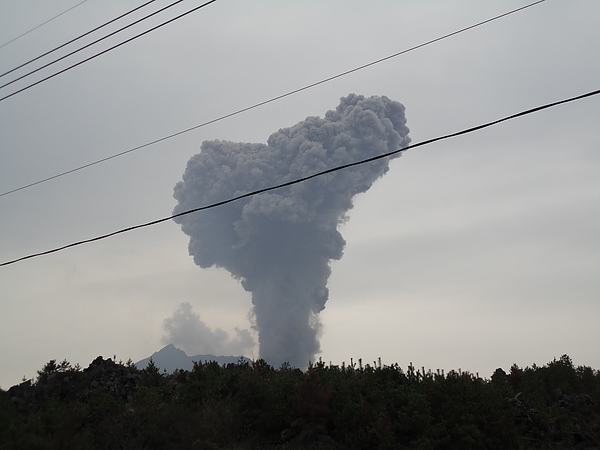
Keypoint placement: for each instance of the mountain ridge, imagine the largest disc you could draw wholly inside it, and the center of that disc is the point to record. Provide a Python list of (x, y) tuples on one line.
[(170, 358)]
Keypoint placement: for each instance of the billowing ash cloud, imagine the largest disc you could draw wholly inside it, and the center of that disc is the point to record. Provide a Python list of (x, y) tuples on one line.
[(279, 243), (186, 331)]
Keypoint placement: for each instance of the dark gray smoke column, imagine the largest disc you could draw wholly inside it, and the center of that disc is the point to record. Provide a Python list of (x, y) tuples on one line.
[(279, 243)]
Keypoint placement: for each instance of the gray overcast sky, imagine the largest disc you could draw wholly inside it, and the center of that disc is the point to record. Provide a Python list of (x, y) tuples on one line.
[(473, 253)]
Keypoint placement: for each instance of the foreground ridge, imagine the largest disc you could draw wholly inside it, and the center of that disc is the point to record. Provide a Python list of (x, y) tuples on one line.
[(251, 405)]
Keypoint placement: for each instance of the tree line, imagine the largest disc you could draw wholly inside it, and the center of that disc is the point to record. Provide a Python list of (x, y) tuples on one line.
[(112, 405)]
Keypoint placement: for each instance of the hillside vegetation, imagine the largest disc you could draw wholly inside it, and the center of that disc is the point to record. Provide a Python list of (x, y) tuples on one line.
[(111, 405)]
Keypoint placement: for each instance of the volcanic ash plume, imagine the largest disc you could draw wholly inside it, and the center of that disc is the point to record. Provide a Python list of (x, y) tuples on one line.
[(279, 243)]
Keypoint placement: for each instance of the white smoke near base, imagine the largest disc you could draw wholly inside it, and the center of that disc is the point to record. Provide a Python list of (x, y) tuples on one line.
[(186, 331), (279, 244)]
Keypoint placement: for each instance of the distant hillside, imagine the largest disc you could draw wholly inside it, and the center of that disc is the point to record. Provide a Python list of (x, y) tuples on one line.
[(171, 358)]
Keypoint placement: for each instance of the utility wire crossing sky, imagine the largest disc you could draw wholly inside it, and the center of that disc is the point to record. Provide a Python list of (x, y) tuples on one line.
[(42, 24), (77, 38), (299, 180), (99, 53), (295, 91)]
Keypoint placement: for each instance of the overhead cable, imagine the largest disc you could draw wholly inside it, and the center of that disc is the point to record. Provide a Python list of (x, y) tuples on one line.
[(73, 40), (102, 52), (92, 43), (235, 113), (43, 23), (299, 180)]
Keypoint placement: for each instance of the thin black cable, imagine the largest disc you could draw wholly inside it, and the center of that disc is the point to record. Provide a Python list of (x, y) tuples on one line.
[(87, 46), (43, 23), (299, 180), (76, 39), (156, 141), (104, 51)]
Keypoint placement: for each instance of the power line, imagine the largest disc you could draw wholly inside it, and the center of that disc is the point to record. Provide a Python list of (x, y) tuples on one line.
[(43, 23), (102, 52), (95, 42), (73, 40), (299, 180), (240, 111)]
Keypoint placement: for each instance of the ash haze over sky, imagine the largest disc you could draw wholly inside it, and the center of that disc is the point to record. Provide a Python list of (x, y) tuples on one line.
[(474, 253)]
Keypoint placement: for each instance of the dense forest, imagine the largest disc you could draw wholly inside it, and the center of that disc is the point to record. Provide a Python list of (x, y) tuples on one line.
[(111, 405)]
